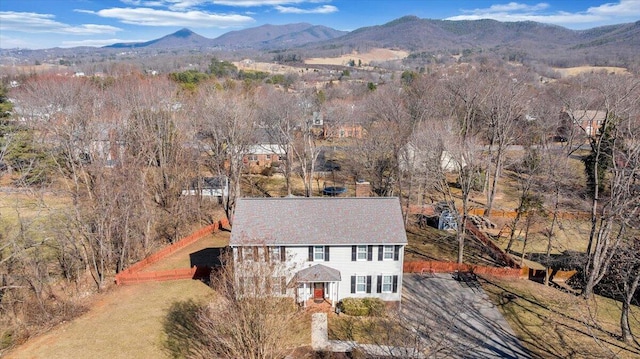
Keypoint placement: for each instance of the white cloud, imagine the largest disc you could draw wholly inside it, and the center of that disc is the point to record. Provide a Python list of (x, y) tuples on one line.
[(609, 13), (153, 17), (252, 3), (324, 9), (177, 5), (514, 6), (44, 23), (97, 43), (190, 4)]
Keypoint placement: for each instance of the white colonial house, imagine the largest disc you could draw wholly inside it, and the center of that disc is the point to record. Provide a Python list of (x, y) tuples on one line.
[(325, 248)]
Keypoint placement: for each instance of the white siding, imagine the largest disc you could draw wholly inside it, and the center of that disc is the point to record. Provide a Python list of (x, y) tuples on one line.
[(340, 259)]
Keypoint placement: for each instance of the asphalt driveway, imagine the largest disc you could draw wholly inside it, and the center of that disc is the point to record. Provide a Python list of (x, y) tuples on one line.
[(456, 318)]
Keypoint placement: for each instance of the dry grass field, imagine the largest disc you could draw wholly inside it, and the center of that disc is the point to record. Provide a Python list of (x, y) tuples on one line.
[(124, 322), (573, 71), (373, 55), (555, 324)]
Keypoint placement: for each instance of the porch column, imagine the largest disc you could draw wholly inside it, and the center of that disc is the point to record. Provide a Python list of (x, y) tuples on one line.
[(333, 291), (304, 294)]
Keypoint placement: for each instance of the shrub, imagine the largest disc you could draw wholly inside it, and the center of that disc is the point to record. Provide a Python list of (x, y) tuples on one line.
[(362, 306), (376, 306)]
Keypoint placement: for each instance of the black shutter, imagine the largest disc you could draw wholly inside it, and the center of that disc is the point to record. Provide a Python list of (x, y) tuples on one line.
[(368, 284), (310, 253), (239, 254), (353, 284), (380, 252), (379, 284), (254, 255), (369, 253), (353, 253), (267, 253), (396, 253), (283, 253), (395, 284), (326, 253)]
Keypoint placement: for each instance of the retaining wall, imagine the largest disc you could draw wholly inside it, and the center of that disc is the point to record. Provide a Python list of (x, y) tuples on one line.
[(133, 273)]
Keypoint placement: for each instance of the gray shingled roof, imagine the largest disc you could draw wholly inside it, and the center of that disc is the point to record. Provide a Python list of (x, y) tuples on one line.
[(318, 221), (318, 273)]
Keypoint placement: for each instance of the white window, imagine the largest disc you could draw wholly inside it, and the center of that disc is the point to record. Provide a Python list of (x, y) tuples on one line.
[(361, 284), (275, 253), (268, 157), (278, 285), (318, 253), (249, 254), (387, 284), (362, 253), (252, 157), (388, 253)]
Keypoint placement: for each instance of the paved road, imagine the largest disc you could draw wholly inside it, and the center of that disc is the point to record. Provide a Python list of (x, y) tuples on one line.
[(457, 318)]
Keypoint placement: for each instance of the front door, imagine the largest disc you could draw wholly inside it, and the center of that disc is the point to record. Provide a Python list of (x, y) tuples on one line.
[(318, 290)]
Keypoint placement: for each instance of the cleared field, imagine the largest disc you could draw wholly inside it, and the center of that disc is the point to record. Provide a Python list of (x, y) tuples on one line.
[(573, 71), (366, 57)]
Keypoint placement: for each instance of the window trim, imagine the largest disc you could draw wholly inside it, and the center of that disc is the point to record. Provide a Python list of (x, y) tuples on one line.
[(389, 283), (388, 252), (364, 284), (318, 253), (361, 250)]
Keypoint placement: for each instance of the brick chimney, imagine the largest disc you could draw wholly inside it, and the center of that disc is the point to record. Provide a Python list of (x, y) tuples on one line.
[(363, 188)]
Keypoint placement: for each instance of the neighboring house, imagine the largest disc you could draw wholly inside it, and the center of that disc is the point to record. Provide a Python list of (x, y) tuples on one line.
[(209, 187), (264, 152), (588, 120), (413, 158), (263, 155), (326, 248), (342, 130)]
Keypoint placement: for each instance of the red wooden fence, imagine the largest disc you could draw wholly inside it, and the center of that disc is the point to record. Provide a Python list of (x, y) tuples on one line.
[(133, 273), (451, 267)]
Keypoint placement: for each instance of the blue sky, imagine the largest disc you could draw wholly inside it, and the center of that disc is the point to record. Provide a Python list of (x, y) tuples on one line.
[(38, 24)]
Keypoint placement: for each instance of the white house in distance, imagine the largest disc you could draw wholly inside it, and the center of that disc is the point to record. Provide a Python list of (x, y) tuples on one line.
[(328, 248)]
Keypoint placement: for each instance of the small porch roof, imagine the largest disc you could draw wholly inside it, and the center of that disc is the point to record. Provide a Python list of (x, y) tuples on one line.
[(318, 273)]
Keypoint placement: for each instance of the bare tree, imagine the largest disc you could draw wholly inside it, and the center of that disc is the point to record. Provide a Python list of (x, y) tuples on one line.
[(249, 317), (624, 276), (502, 110), (279, 115), (306, 146), (615, 150), (224, 122)]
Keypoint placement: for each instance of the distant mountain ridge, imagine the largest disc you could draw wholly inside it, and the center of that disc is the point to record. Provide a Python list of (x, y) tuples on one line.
[(517, 40), (425, 39), (265, 36)]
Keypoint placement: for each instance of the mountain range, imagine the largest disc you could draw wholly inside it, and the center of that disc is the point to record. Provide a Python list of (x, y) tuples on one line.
[(615, 45), (608, 45), (261, 37)]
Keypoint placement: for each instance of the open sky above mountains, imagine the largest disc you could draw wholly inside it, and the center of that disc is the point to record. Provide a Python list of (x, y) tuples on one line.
[(40, 24)]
